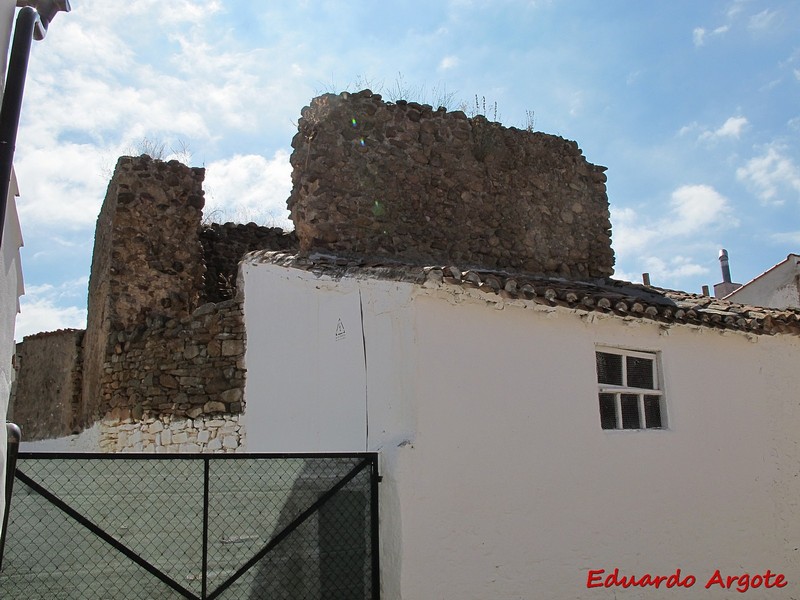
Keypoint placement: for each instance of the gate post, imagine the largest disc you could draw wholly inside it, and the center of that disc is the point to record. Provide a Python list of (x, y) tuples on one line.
[(14, 437)]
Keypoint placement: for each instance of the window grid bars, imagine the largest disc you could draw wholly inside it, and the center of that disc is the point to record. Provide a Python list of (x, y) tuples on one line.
[(618, 390), (640, 402)]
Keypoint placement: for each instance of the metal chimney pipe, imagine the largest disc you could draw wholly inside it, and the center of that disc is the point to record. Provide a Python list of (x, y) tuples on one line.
[(723, 263)]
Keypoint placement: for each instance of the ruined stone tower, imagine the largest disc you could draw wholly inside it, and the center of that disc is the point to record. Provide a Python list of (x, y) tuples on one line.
[(147, 260), (406, 182)]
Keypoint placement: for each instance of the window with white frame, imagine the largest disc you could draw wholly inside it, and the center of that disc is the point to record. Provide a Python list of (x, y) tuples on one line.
[(629, 390)]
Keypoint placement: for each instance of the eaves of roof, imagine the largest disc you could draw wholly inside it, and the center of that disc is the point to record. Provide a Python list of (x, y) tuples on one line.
[(610, 296)]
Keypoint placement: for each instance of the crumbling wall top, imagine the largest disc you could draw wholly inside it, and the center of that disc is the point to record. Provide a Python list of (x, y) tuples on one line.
[(412, 183)]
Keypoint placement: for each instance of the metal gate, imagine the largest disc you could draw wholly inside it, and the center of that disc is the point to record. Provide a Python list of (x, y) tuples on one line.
[(228, 526)]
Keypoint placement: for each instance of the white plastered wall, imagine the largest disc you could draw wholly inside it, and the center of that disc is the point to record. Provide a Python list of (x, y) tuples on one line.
[(512, 486), (11, 284), (498, 480), (11, 288), (777, 288)]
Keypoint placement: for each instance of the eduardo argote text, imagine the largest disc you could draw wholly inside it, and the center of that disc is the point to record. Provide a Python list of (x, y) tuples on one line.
[(741, 582)]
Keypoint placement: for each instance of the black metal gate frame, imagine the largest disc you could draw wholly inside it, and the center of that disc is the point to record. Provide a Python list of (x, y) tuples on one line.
[(369, 459)]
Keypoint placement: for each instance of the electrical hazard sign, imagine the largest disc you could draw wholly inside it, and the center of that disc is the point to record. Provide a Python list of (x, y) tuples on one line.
[(340, 332)]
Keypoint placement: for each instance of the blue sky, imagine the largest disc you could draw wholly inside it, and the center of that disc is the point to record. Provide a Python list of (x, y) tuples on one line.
[(694, 107)]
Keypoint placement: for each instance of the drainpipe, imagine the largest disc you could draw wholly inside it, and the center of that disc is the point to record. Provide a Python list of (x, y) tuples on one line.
[(32, 23), (14, 437)]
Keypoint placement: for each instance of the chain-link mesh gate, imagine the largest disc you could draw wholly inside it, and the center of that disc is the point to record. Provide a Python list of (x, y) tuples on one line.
[(227, 526)]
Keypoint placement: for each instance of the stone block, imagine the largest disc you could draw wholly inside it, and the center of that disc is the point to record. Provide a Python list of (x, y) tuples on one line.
[(232, 347), (213, 407), (233, 395)]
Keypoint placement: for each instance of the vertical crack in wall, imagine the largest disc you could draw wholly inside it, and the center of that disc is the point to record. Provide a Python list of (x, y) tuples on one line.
[(366, 378)]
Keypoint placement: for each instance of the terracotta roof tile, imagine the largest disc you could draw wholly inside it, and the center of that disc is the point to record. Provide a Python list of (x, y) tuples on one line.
[(622, 298)]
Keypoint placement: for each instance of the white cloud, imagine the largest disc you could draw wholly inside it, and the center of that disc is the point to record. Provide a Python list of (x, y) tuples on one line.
[(673, 268), (736, 7), (663, 272), (731, 128), (694, 212), (686, 129), (763, 21), (43, 308), (60, 185), (633, 77), (772, 176), (449, 62), (696, 208), (787, 237), (693, 209), (630, 231), (44, 315), (116, 74), (249, 188), (700, 34)]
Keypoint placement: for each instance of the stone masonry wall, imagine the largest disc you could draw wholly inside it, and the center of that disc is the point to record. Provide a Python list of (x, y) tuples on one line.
[(147, 260), (409, 182), (44, 402), (225, 245), (154, 258), (161, 362), (184, 368), (163, 367)]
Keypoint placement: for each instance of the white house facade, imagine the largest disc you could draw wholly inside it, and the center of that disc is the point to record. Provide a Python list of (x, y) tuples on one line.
[(777, 287), (509, 470)]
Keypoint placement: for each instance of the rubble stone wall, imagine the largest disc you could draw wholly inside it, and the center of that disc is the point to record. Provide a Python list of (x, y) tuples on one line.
[(149, 256), (160, 365), (152, 353), (147, 259), (44, 401), (406, 181), (224, 245), (184, 368)]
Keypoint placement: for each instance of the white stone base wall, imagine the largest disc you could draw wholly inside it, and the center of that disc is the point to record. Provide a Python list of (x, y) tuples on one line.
[(164, 434), (220, 433), (87, 440)]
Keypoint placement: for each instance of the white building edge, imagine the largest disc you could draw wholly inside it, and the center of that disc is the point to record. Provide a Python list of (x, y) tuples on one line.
[(11, 288), (777, 287)]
